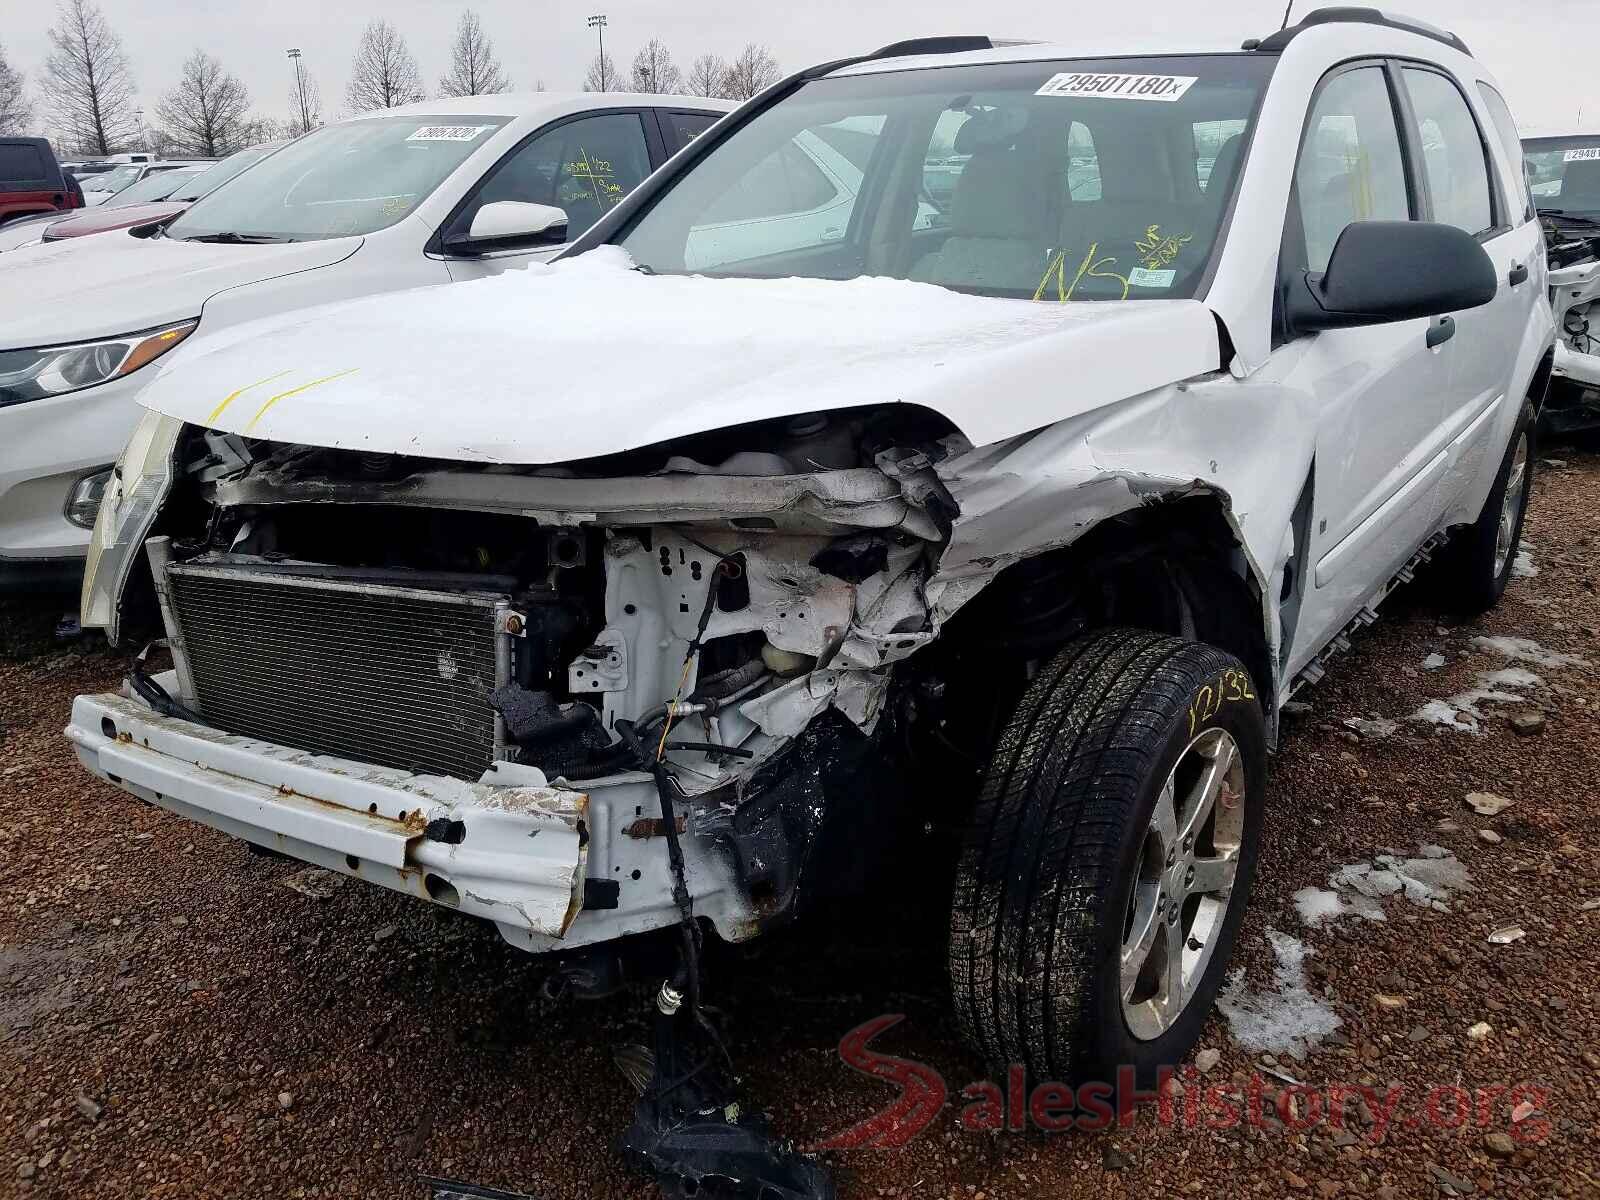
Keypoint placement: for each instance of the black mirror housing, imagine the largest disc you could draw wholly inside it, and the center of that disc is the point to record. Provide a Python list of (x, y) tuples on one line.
[(1383, 271)]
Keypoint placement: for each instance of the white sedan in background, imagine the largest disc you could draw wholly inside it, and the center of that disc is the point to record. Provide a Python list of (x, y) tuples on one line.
[(428, 193)]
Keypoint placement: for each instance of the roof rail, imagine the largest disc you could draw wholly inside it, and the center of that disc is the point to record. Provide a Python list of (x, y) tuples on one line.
[(1361, 16), (953, 44)]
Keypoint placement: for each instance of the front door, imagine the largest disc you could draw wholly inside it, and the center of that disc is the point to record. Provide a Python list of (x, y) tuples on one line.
[(1378, 392), (584, 166)]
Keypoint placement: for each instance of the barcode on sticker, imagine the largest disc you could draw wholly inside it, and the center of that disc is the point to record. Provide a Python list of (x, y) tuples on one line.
[(1092, 86), (1144, 277), (447, 133), (1586, 154)]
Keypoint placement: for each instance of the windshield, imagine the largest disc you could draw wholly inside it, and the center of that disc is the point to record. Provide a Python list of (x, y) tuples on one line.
[(192, 187), (1083, 180), (154, 187), (339, 181), (1564, 174), (113, 180)]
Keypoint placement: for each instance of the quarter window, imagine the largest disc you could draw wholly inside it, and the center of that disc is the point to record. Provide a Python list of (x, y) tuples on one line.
[(1506, 127), (1350, 168), (1452, 152)]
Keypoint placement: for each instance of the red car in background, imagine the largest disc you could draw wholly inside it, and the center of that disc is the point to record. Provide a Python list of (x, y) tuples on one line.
[(31, 181), (157, 198)]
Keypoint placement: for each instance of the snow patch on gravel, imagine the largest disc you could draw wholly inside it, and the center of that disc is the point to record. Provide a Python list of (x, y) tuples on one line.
[(1285, 1020), (1508, 685), (1523, 566), (1433, 662), (1430, 879)]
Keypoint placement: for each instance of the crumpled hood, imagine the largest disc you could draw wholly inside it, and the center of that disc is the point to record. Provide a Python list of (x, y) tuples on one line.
[(81, 288), (588, 357)]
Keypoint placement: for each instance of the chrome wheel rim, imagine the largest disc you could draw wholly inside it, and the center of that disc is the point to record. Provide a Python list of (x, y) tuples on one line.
[(1505, 538), (1187, 867)]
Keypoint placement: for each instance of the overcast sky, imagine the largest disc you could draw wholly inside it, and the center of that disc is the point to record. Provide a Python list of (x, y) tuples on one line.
[(1543, 51)]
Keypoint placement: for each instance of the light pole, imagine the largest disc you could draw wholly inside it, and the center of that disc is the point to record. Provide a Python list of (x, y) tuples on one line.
[(300, 90), (598, 24)]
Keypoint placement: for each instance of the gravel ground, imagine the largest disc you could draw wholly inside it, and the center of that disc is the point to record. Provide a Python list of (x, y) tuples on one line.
[(175, 1021)]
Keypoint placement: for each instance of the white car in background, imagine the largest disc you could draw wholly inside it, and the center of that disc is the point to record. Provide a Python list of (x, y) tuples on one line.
[(429, 193), (100, 187)]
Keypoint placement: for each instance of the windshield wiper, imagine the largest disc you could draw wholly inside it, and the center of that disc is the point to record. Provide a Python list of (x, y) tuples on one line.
[(231, 238)]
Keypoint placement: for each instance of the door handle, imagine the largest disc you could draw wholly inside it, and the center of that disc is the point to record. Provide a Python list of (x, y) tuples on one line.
[(1519, 274), (1441, 331)]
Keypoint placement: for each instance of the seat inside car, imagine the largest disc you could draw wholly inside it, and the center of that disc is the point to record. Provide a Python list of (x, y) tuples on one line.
[(999, 223)]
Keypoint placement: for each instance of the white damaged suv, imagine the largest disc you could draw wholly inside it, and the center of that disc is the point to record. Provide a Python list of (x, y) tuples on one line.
[(664, 587)]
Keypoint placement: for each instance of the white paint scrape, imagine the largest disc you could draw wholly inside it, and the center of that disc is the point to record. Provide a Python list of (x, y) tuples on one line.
[(1287, 1019)]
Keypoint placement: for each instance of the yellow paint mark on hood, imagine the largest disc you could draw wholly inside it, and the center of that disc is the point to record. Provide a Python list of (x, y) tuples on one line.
[(232, 396), (304, 387)]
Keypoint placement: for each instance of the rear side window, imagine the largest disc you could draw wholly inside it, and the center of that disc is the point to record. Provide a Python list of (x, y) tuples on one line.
[(1505, 126), (23, 165), (1350, 168), (1452, 152), (683, 127)]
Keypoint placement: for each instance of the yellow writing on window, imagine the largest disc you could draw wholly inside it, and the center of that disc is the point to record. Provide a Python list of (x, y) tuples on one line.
[(1089, 268), (1157, 249)]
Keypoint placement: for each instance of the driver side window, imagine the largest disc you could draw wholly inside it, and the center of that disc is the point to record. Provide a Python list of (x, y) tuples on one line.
[(1351, 168), (584, 167)]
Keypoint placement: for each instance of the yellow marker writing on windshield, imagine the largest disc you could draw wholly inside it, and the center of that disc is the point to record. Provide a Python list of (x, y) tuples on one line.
[(1089, 268)]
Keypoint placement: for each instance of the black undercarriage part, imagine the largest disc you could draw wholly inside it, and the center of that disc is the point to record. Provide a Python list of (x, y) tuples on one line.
[(691, 1132)]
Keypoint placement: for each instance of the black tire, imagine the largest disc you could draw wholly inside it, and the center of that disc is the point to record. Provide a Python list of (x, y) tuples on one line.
[(1470, 580), (1058, 842)]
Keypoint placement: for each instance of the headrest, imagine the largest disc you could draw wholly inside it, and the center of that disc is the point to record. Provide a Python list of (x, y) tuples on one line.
[(1226, 166), (994, 129), (999, 195)]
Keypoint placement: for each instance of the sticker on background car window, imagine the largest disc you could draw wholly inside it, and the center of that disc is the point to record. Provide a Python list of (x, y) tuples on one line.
[(448, 133), (1586, 154), (1092, 86), (1143, 277)]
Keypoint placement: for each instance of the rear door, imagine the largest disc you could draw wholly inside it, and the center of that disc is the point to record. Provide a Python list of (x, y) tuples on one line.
[(1463, 187)]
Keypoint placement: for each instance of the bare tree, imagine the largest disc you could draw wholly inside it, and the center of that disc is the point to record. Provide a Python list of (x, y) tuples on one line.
[(87, 84), (16, 110), (602, 76), (752, 70), (654, 70), (206, 113), (707, 76), (383, 73), (474, 70)]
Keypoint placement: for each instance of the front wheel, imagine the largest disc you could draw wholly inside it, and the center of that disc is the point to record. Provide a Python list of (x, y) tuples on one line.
[(1105, 872)]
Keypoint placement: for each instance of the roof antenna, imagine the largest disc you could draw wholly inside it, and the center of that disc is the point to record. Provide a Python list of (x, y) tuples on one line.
[(1286, 9)]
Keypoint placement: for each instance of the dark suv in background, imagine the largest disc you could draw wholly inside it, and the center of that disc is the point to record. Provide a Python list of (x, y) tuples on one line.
[(31, 181)]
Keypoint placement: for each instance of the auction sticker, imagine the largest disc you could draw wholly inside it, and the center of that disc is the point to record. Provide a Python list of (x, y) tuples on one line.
[(448, 133), (1142, 277), (1094, 86), (1586, 154)]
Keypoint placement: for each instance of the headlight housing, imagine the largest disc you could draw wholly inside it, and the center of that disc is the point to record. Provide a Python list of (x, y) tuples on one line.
[(56, 370), (133, 495)]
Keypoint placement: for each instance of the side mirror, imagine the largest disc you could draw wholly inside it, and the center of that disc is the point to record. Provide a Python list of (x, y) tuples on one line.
[(511, 225), (1383, 271)]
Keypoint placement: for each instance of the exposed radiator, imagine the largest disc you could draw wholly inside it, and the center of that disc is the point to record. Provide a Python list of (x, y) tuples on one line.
[(393, 676)]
